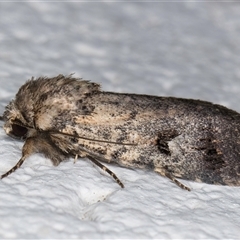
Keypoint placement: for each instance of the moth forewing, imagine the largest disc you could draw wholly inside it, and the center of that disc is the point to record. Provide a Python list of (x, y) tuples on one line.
[(64, 117)]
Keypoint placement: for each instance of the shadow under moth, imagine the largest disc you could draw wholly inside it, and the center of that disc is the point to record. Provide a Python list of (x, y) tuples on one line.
[(63, 117)]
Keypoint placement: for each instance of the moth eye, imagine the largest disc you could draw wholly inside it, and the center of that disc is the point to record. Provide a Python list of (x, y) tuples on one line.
[(18, 131)]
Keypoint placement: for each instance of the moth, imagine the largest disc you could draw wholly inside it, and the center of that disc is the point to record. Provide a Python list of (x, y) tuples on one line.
[(64, 116)]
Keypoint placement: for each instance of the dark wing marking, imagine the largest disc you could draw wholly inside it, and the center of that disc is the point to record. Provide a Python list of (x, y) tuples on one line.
[(163, 138), (212, 156)]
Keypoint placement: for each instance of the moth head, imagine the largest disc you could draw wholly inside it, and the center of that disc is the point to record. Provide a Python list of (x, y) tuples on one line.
[(14, 123)]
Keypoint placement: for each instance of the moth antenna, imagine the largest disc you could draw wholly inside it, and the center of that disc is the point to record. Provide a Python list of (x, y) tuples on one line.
[(94, 140), (18, 165), (106, 170)]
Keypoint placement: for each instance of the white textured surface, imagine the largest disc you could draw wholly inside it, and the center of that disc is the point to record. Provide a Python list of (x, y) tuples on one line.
[(182, 49)]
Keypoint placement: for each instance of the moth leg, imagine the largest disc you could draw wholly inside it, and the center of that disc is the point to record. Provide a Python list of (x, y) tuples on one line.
[(106, 170), (177, 182), (18, 165), (75, 159), (26, 152), (173, 179)]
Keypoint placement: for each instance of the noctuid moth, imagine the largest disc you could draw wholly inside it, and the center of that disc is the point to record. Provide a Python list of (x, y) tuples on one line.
[(63, 117)]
